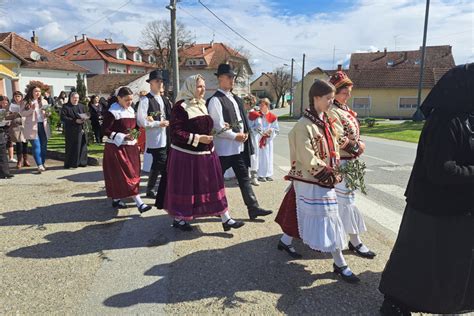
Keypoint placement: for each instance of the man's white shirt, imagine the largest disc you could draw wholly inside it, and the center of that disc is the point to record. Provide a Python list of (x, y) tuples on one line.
[(225, 143), (155, 135)]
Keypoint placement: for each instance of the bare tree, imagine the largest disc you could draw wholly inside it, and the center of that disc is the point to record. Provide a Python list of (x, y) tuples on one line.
[(157, 35), (280, 80)]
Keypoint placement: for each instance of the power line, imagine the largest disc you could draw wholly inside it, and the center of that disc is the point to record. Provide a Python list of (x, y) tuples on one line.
[(97, 21), (240, 35)]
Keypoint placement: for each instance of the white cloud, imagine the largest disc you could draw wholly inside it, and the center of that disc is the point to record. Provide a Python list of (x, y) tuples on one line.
[(367, 25)]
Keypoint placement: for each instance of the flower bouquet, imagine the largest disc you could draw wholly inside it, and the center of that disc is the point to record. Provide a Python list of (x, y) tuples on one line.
[(227, 127), (151, 116), (353, 172), (135, 133)]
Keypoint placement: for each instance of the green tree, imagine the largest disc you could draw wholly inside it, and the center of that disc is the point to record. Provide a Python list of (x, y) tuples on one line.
[(81, 88)]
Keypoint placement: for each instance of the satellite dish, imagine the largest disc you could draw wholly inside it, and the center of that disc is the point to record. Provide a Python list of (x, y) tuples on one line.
[(35, 56)]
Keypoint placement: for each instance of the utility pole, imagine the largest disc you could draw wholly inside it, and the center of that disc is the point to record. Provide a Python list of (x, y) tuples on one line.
[(174, 47), (418, 116), (334, 57), (302, 86), (291, 88)]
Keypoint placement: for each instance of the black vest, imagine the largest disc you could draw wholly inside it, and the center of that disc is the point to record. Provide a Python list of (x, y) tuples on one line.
[(154, 106), (230, 116)]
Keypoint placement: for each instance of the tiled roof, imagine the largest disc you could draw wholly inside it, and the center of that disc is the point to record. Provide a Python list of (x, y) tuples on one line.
[(107, 83), (214, 54), (94, 49), (23, 48)]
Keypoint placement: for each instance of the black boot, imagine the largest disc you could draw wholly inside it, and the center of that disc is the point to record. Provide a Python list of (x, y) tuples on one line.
[(150, 193)]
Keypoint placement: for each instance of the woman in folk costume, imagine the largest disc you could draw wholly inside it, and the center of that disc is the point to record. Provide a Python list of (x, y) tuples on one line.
[(309, 210), (121, 163), (431, 267), (267, 132), (194, 182), (347, 128)]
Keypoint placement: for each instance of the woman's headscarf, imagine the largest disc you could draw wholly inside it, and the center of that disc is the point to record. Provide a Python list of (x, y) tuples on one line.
[(186, 93), (454, 92)]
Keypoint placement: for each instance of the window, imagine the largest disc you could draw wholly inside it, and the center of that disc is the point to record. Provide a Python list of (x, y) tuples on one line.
[(69, 88), (137, 57), (261, 84), (121, 54), (64, 53), (266, 83), (361, 103), (201, 62), (407, 103), (151, 59)]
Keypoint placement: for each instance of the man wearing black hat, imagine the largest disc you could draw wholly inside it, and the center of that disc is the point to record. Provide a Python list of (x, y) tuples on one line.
[(153, 114), (232, 142)]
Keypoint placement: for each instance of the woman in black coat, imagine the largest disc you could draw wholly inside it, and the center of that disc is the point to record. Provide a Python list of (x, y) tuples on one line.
[(431, 268), (96, 111)]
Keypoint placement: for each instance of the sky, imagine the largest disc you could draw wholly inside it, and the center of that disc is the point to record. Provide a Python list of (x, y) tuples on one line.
[(326, 31)]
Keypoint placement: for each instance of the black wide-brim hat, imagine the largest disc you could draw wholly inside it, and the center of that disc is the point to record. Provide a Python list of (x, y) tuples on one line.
[(225, 69), (158, 74)]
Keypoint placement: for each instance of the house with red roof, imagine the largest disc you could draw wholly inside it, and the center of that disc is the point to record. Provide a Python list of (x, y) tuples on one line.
[(22, 61), (386, 82), (108, 57)]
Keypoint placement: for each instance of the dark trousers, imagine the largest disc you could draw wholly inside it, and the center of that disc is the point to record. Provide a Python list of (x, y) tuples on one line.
[(21, 149), (97, 132), (158, 166), (4, 169), (241, 170)]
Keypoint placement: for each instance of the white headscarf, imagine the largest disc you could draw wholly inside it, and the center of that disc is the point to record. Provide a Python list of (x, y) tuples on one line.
[(194, 107)]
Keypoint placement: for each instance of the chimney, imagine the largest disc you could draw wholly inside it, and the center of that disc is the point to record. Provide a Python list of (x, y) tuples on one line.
[(203, 50), (84, 37), (339, 67), (385, 50), (75, 38), (212, 43), (405, 56), (35, 39)]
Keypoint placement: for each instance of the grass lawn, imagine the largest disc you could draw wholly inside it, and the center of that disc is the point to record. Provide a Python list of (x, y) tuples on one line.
[(407, 131), (56, 143), (287, 118)]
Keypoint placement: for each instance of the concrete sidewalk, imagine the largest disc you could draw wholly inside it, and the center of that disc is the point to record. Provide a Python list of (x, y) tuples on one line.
[(64, 250)]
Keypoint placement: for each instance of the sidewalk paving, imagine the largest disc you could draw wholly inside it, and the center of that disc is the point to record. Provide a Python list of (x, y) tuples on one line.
[(64, 250)]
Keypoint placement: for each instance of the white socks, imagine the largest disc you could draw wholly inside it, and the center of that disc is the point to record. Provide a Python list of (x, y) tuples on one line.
[(227, 219), (138, 200), (341, 262), (287, 240), (355, 241)]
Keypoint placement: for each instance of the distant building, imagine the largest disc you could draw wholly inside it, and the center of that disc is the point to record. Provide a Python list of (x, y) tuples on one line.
[(22, 61), (107, 57), (386, 83), (205, 58)]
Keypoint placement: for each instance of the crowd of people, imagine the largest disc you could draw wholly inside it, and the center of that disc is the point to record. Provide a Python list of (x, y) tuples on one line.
[(194, 141)]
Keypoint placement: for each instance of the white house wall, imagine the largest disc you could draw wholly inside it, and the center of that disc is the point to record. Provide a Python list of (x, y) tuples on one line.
[(56, 79)]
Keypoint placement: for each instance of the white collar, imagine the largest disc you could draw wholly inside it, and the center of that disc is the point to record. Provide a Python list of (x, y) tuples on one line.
[(227, 93)]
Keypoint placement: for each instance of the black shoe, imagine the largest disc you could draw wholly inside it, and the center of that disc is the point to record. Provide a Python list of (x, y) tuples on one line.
[(150, 194), (236, 225), (369, 254), (184, 227), (269, 178), (262, 179), (390, 308), (352, 278), (254, 213), (289, 249), (144, 208), (8, 176), (119, 204)]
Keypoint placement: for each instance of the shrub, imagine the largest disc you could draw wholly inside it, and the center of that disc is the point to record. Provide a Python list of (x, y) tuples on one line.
[(370, 122)]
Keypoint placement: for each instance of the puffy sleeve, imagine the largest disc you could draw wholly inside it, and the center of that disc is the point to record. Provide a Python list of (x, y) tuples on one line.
[(440, 156), (178, 122), (107, 128)]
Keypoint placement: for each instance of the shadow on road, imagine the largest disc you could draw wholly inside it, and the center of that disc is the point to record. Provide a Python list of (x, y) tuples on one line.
[(255, 265)]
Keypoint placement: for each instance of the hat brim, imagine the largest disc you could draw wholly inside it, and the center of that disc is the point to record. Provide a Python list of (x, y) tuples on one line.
[(158, 78)]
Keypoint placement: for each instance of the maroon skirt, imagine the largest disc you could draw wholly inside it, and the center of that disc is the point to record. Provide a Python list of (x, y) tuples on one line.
[(195, 185), (121, 167), (286, 216)]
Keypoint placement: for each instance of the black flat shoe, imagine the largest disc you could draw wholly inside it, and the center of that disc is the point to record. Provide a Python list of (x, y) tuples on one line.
[(352, 278), (253, 214), (236, 225), (369, 254), (184, 227), (144, 208), (150, 195), (119, 204), (289, 249)]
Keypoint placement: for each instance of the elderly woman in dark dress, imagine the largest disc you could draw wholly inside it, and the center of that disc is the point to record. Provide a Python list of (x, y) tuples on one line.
[(431, 268)]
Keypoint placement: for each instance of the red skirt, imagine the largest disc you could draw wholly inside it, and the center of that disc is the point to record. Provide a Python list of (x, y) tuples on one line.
[(121, 167), (141, 141), (286, 216)]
